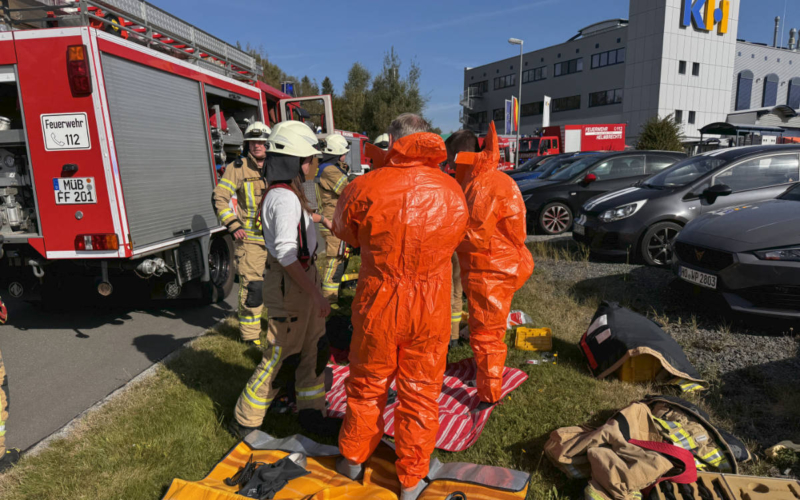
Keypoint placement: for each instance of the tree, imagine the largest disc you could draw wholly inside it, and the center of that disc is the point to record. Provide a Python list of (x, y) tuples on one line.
[(392, 94), (663, 134), (348, 108), (327, 86), (272, 74)]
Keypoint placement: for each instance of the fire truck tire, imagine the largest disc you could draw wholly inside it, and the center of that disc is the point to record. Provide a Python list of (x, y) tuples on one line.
[(222, 270)]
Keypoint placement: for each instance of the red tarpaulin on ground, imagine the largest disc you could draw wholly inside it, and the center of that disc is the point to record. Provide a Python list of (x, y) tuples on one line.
[(459, 425)]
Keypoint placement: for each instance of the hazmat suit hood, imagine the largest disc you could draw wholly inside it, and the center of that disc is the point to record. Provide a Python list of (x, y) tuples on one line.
[(376, 154), (470, 165), (280, 167), (420, 149)]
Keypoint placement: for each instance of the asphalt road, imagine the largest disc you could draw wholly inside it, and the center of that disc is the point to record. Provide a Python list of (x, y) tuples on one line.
[(61, 363)]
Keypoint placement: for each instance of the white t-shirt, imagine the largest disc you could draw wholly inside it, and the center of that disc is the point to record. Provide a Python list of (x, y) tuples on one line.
[(280, 217)]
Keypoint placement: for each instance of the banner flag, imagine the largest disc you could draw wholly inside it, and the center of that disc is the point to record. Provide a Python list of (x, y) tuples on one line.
[(546, 112), (508, 118), (515, 106)]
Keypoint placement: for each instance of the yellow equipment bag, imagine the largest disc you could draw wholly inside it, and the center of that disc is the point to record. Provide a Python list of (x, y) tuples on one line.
[(475, 482)]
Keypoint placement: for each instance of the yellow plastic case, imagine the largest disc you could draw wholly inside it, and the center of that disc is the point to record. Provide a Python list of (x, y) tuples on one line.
[(534, 339)]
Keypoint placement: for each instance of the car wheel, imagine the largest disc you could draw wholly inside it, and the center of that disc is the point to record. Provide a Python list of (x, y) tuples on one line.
[(555, 218), (657, 243)]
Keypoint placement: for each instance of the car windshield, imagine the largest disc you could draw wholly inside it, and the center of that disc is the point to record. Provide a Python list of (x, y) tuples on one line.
[(573, 169), (792, 194), (685, 172)]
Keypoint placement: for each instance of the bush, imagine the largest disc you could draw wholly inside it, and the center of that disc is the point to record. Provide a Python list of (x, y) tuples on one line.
[(662, 134)]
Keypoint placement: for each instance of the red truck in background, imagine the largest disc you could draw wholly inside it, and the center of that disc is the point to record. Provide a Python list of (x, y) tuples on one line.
[(574, 139)]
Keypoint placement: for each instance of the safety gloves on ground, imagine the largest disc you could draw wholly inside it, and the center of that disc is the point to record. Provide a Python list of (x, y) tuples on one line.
[(407, 217), (494, 260)]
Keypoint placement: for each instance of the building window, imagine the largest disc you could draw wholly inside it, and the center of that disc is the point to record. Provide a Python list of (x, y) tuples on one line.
[(608, 58), (793, 99), (682, 67), (499, 114), (566, 104), (532, 108), (678, 116), (479, 88), (695, 69), (478, 118), (619, 40), (502, 82), (605, 98), (534, 75), (692, 117), (597, 45), (569, 67), (770, 91), (744, 89)]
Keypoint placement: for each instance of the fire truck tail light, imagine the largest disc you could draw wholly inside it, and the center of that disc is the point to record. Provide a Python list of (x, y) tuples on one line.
[(80, 78), (95, 242)]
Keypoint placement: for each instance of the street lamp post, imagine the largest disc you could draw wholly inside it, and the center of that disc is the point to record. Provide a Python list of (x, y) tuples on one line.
[(517, 41)]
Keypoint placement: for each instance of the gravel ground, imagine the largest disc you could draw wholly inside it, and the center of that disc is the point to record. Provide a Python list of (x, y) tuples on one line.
[(752, 363)]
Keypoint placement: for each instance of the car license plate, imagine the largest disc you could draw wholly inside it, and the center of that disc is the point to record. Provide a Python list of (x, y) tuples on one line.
[(578, 229), (74, 190), (698, 278)]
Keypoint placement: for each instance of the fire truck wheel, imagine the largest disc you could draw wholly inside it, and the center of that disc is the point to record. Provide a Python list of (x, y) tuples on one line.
[(221, 268)]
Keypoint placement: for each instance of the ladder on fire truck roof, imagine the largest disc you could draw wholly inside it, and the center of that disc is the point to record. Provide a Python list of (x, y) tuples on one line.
[(140, 22)]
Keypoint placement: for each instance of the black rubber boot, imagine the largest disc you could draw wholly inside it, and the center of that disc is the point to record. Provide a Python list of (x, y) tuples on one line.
[(239, 431), (313, 422), (9, 459)]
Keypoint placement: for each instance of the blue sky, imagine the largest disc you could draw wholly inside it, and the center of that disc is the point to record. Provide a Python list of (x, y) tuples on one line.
[(325, 38)]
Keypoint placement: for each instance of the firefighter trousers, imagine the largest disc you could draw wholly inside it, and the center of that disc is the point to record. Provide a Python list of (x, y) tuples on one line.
[(334, 267), (3, 406), (456, 301), (297, 349), (251, 257)]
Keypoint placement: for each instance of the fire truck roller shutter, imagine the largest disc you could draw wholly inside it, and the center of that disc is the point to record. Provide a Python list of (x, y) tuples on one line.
[(162, 148)]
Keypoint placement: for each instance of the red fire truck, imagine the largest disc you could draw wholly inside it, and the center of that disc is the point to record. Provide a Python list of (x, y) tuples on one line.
[(113, 116), (574, 139)]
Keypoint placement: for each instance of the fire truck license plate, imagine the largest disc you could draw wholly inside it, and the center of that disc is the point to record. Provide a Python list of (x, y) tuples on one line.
[(74, 190)]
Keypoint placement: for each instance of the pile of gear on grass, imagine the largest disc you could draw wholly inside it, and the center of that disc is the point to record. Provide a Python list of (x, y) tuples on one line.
[(662, 447)]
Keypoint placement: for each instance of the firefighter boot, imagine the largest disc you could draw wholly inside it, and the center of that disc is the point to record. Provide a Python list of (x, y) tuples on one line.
[(9, 459), (239, 431), (414, 492), (313, 422)]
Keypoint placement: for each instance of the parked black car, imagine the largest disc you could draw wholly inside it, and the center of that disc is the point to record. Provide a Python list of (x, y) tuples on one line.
[(644, 220), (552, 202), (749, 253), (530, 165)]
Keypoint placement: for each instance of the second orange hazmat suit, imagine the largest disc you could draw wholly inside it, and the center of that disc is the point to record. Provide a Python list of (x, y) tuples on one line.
[(407, 217), (495, 262)]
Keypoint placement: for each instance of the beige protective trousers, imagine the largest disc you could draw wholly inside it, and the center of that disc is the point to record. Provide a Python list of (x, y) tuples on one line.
[(456, 301), (3, 406), (330, 280), (251, 258), (297, 349)]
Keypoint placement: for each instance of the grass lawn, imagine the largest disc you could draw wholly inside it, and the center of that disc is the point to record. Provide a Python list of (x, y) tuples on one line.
[(173, 424)]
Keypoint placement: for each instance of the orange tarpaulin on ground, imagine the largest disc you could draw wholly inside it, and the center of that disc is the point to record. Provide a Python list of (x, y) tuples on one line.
[(380, 477)]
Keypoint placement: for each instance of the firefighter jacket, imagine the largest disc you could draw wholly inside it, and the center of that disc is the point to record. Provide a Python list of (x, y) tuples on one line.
[(331, 180), (495, 262), (246, 182), (629, 452)]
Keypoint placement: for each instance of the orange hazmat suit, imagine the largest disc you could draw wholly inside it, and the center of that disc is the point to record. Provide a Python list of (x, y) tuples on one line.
[(495, 262), (408, 217)]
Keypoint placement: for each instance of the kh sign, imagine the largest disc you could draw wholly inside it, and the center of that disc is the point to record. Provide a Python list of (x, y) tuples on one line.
[(704, 15)]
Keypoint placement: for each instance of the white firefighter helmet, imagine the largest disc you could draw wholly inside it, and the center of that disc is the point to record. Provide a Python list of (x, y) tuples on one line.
[(382, 141), (257, 131), (336, 145), (293, 138)]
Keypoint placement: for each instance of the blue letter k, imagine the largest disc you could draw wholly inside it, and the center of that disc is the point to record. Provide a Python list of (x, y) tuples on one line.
[(693, 12)]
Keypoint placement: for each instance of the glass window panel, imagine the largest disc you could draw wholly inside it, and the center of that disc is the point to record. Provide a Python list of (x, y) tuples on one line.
[(595, 60), (604, 59), (612, 57), (621, 55)]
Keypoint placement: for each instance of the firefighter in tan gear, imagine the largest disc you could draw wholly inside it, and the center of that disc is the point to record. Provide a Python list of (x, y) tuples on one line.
[(11, 456), (244, 179), (331, 180), (298, 348)]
